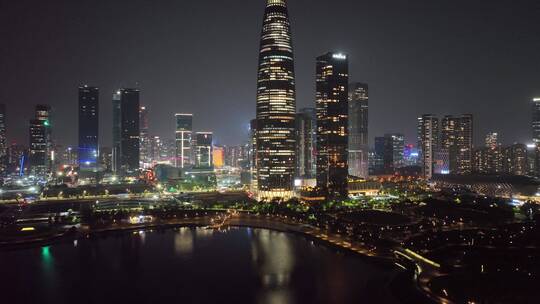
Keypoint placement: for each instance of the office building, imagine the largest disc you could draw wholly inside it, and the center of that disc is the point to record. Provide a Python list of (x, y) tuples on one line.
[(358, 130), (332, 81), (457, 140), (306, 139), (144, 144), (203, 150), (428, 143), (88, 148), (130, 131), (276, 107), (184, 136), (3, 141), (116, 131)]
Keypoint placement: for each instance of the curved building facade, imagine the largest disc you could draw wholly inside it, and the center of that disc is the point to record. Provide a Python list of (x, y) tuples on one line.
[(276, 105)]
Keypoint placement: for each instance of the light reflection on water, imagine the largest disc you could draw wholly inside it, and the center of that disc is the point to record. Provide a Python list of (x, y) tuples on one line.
[(190, 265), (183, 241), (273, 259)]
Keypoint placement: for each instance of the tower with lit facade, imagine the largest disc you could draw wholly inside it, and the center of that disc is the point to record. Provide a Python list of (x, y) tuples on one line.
[(3, 140), (332, 81), (88, 127), (116, 131), (535, 125), (428, 143), (184, 134), (40, 140), (276, 105), (358, 130), (130, 130), (144, 142), (457, 140), (306, 138), (203, 153)]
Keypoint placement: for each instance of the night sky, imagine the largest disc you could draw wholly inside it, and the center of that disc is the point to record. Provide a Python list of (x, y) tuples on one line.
[(423, 56)]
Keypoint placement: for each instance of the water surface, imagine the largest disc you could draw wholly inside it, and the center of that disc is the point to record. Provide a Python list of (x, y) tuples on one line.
[(191, 265)]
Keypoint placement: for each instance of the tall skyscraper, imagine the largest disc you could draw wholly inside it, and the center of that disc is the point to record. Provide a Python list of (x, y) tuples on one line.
[(276, 105), (203, 149), (488, 159), (428, 143), (144, 144), (457, 139), (130, 130), (40, 140), (306, 139), (116, 131), (184, 134), (515, 159), (389, 149), (38, 147), (358, 130), (88, 127), (536, 120), (3, 141), (332, 76)]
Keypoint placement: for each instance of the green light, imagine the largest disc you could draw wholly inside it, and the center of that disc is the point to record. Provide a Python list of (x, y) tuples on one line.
[(46, 123), (45, 253)]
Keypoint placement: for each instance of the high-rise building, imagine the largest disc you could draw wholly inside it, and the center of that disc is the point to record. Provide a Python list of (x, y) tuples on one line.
[(488, 159), (203, 149), (105, 158), (428, 143), (276, 106), (184, 136), (17, 159), (306, 139), (457, 139), (116, 130), (88, 127), (218, 157), (3, 141), (38, 147), (515, 159), (40, 141), (536, 120), (144, 144), (130, 130), (358, 130), (332, 81), (390, 149)]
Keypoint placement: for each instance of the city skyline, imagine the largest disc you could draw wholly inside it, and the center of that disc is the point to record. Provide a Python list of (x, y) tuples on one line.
[(444, 81)]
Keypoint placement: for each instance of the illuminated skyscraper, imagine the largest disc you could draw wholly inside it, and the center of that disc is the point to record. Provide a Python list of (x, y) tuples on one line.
[(38, 147), (40, 140), (276, 105), (306, 139), (144, 144), (130, 130), (457, 139), (332, 123), (358, 130), (184, 134), (88, 127), (203, 149), (116, 131), (428, 143), (536, 119), (3, 140)]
